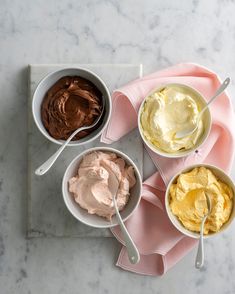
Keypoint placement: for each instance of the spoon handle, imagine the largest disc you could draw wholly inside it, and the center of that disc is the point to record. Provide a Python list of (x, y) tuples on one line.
[(41, 170), (200, 251), (219, 91), (132, 250)]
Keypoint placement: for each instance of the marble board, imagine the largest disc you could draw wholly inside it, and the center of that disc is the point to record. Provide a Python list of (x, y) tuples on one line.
[(47, 214)]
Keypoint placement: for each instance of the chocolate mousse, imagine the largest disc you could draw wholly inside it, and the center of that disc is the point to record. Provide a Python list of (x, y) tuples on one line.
[(72, 102)]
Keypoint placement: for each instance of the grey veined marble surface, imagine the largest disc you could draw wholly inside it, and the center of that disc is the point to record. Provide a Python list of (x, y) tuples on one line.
[(155, 33)]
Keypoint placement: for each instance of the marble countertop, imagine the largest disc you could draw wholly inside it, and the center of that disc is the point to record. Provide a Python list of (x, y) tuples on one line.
[(155, 33)]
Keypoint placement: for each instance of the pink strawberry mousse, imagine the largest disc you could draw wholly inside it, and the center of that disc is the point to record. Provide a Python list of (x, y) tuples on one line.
[(94, 185)]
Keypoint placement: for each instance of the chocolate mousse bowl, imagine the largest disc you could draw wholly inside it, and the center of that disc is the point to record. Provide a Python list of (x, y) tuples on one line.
[(68, 99)]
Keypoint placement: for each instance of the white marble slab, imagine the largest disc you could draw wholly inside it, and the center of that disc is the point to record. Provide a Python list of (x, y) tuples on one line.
[(47, 214)]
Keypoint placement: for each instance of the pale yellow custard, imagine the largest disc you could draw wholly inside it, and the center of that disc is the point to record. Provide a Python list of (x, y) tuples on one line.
[(167, 111), (188, 201)]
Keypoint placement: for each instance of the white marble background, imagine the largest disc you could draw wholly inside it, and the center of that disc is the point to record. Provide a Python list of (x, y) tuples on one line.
[(155, 33)]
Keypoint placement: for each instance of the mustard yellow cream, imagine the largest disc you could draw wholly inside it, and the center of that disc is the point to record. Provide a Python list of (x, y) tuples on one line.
[(168, 111), (188, 201)]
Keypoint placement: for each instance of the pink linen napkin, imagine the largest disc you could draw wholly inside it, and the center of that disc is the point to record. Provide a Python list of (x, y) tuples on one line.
[(161, 245)]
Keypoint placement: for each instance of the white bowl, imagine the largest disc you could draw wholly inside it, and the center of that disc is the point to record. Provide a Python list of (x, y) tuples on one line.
[(47, 82), (202, 139), (91, 219), (220, 174)]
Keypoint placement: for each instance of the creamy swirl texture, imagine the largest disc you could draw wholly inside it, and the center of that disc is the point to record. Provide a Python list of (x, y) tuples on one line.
[(100, 176), (170, 110), (72, 102), (188, 201)]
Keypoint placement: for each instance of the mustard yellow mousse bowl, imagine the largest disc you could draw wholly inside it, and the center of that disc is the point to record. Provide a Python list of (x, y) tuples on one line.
[(170, 109), (186, 205)]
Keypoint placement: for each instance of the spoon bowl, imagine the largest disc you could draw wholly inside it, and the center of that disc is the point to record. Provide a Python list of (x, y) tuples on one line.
[(200, 252), (132, 251), (41, 170), (189, 131)]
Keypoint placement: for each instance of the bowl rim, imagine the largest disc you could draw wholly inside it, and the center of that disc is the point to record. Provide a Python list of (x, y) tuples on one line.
[(180, 226), (44, 132), (65, 191), (161, 152)]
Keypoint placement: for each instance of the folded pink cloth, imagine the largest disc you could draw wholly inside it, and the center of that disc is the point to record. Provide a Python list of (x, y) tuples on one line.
[(160, 244)]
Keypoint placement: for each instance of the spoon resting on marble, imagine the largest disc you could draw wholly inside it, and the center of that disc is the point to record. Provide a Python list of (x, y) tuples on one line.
[(41, 170), (190, 131), (200, 251)]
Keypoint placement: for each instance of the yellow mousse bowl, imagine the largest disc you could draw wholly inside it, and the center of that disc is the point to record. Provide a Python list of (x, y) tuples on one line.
[(206, 119), (220, 175)]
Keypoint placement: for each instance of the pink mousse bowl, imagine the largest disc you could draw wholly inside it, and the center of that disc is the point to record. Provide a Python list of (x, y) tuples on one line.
[(93, 220)]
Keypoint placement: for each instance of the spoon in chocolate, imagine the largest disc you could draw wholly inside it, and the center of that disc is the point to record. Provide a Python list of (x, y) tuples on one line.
[(191, 130), (200, 251), (41, 170)]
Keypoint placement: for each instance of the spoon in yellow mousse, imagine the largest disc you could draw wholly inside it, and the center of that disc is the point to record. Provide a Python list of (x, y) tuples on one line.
[(200, 251)]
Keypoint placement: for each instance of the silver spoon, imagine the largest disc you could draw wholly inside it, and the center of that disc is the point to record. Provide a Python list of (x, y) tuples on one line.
[(200, 251), (132, 250), (189, 131), (50, 161)]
